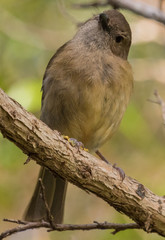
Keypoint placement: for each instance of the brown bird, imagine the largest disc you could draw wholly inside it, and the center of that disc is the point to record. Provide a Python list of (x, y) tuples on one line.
[(86, 89)]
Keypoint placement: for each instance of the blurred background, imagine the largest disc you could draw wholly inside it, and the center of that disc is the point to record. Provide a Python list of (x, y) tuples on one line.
[(30, 32)]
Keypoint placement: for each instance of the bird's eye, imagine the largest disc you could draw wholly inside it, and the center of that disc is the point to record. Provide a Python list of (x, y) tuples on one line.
[(119, 39)]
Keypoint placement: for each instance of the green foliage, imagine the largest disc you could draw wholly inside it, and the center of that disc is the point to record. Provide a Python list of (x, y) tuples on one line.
[(27, 93), (151, 50)]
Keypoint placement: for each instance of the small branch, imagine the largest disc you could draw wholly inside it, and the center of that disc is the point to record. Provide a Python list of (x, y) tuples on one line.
[(26, 226), (161, 102), (139, 8), (15, 221), (66, 227), (49, 216)]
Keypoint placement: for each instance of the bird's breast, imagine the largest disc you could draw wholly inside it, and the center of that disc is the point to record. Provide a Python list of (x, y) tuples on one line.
[(103, 99), (86, 96)]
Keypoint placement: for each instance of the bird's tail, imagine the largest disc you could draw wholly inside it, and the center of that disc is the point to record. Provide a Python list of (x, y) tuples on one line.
[(55, 192)]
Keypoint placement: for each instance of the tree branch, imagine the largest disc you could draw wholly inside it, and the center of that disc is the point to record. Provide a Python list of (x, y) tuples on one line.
[(65, 227), (139, 8), (48, 148)]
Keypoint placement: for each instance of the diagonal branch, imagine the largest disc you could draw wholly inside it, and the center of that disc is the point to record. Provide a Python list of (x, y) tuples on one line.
[(49, 216), (48, 148), (139, 8)]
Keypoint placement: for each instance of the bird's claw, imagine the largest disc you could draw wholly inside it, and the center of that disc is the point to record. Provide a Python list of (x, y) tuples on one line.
[(120, 171), (74, 143)]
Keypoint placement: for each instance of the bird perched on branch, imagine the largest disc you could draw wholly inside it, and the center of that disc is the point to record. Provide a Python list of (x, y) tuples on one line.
[(86, 89)]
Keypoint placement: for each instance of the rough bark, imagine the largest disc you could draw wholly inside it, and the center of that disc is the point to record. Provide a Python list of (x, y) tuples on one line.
[(48, 148)]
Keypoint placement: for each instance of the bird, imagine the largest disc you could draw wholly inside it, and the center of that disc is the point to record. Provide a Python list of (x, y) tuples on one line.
[(85, 91)]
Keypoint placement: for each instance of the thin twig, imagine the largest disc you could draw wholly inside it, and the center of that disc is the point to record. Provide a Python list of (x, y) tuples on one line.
[(26, 226), (161, 102), (15, 221), (139, 8), (66, 227), (27, 160), (49, 216)]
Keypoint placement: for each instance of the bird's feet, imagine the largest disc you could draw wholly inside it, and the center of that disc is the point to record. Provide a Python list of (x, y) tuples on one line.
[(74, 143), (120, 171)]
